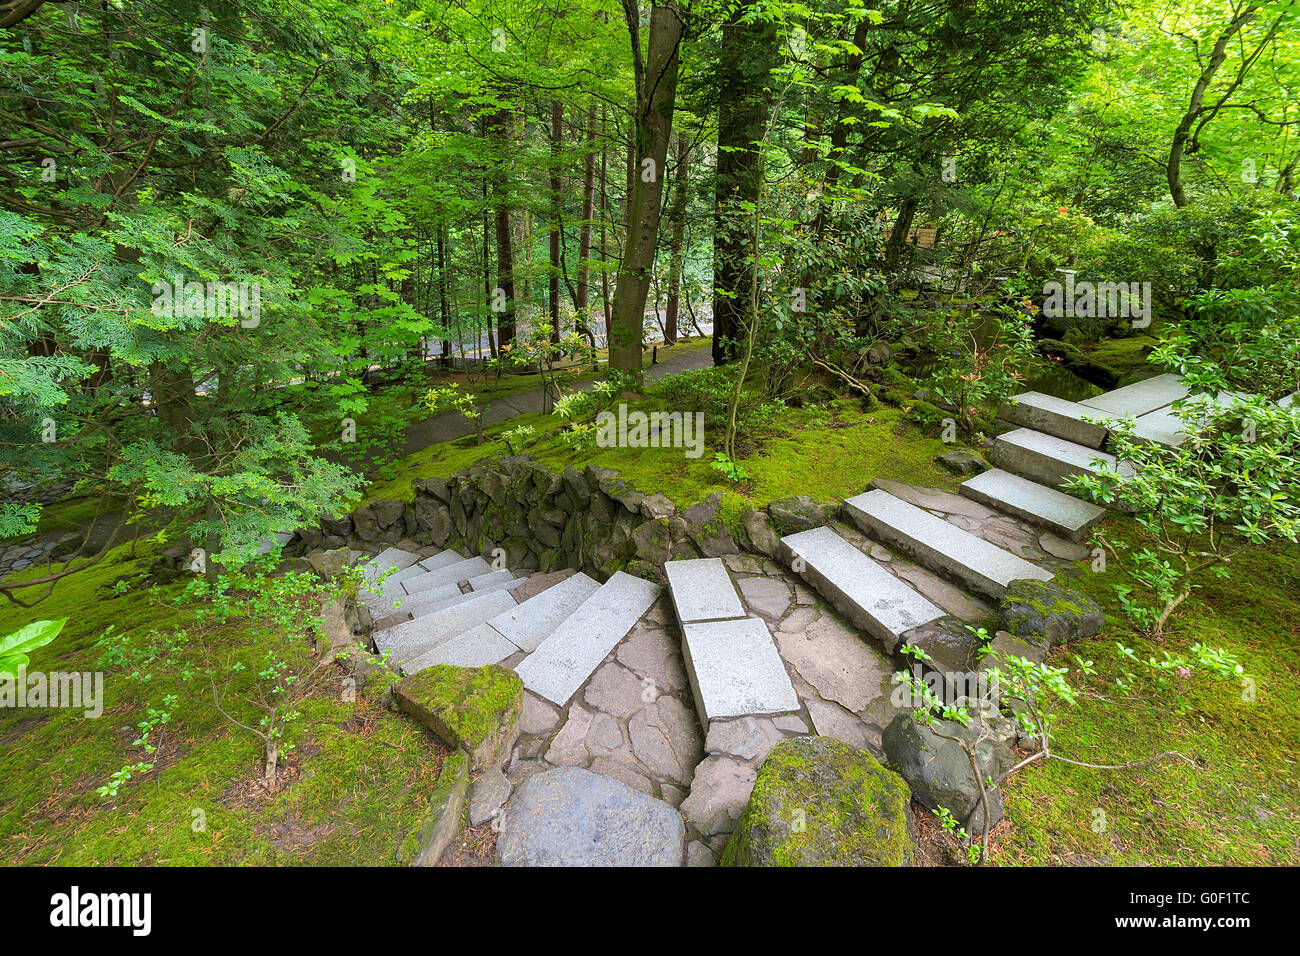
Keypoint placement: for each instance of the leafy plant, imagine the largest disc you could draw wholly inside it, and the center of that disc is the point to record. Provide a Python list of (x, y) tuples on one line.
[(15, 647)]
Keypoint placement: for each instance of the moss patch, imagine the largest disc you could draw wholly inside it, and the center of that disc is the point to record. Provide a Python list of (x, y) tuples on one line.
[(355, 780), (1236, 804), (474, 708)]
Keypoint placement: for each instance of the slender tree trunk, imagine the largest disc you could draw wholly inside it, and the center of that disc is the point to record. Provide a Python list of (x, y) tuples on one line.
[(582, 299), (557, 211), (746, 60), (656, 94), (1174, 166), (502, 124), (444, 309), (604, 233), (678, 216)]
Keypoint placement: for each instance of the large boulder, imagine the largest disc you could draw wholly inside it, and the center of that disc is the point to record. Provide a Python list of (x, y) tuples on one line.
[(1046, 613), (820, 802), (474, 708), (573, 817), (938, 769)]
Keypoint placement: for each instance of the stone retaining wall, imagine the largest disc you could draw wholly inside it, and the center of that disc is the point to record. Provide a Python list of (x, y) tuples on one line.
[(591, 520)]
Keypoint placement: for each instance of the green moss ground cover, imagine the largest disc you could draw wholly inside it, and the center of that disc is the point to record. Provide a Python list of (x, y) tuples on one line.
[(355, 780), (1238, 803)]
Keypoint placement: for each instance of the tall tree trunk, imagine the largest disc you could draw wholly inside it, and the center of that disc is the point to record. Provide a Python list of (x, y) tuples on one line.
[(582, 300), (840, 131), (444, 310), (678, 216), (502, 126), (656, 83), (604, 232), (557, 212), (746, 60)]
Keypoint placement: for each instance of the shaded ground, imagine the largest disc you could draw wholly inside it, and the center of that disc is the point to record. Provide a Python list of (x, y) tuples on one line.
[(450, 425)]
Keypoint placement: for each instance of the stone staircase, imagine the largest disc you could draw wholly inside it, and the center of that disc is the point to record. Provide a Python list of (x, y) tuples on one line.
[(855, 567), (553, 629)]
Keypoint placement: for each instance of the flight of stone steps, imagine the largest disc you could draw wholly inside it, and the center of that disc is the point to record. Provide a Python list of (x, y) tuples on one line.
[(556, 629), (730, 656), (553, 629)]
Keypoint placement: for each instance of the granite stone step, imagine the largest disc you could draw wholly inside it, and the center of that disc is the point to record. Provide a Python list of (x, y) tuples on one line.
[(388, 558), (1055, 416), (415, 638), (568, 657), (1071, 518), (735, 669), (445, 595), (403, 607), (461, 570), (702, 590), (1047, 459), (940, 545), (1165, 427), (440, 560), (1140, 397), (531, 622), (856, 586), (477, 647)]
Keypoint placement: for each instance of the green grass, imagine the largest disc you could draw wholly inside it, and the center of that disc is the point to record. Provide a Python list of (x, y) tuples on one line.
[(356, 779), (1238, 805)]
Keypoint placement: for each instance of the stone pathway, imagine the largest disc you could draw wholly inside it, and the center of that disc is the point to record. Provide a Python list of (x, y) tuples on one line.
[(647, 714), (449, 426)]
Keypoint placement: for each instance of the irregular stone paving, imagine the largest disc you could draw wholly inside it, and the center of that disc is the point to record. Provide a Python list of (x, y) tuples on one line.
[(31, 550)]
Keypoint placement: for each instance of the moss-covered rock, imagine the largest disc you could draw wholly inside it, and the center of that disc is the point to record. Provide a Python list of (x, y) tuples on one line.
[(474, 708), (799, 513), (1048, 614), (820, 802), (442, 818)]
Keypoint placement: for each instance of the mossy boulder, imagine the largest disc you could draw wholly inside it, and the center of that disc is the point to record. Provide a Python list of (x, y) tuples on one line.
[(799, 513), (819, 802), (1048, 614), (474, 708)]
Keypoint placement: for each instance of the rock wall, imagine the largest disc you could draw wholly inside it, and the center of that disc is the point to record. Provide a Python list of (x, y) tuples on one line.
[(591, 520)]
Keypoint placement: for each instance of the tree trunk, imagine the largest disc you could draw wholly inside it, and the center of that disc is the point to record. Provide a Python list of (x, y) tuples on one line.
[(678, 216), (501, 125), (656, 94), (1174, 166), (581, 300), (557, 211), (745, 62), (444, 310)]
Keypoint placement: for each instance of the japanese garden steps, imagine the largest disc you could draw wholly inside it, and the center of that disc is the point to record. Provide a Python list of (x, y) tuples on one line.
[(1071, 518), (1056, 416), (411, 640), (1138, 398), (1047, 459), (731, 661), (940, 545), (578, 645), (858, 587), (521, 627)]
